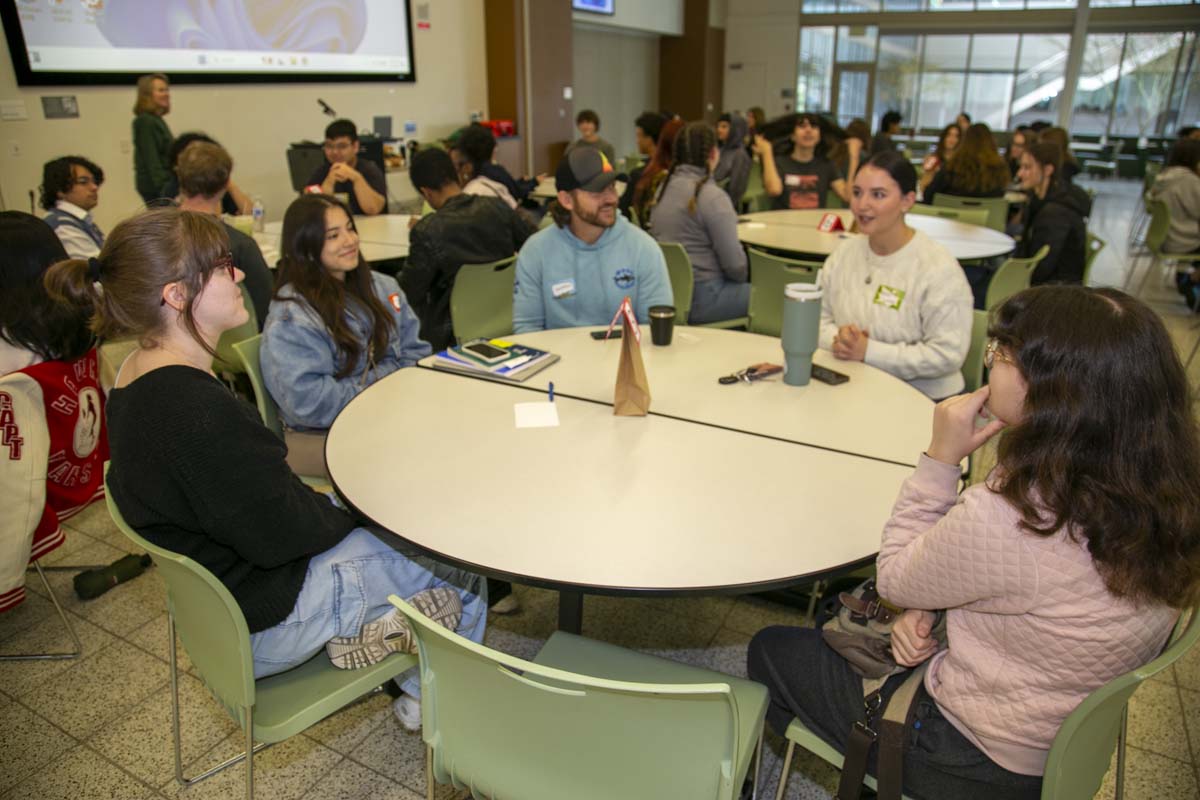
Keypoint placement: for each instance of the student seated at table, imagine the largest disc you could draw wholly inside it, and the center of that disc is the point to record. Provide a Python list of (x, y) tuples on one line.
[(803, 177), (334, 327), (896, 299), (588, 124), (976, 171), (646, 129), (1055, 215), (51, 404), (645, 189), (693, 211), (474, 148), (734, 164), (467, 229), (943, 151), (1022, 137), (195, 471), (70, 190), (345, 173), (1178, 187), (852, 143), (234, 202), (1051, 574), (1060, 137), (578, 270)]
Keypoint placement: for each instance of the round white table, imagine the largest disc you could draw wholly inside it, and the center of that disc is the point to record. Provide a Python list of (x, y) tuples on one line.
[(701, 496), (381, 237), (796, 231)]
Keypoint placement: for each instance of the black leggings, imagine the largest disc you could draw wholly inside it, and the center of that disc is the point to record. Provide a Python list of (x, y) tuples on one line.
[(808, 680)]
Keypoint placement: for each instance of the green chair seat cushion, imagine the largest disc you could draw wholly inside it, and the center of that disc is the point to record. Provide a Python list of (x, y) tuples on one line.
[(572, 653)]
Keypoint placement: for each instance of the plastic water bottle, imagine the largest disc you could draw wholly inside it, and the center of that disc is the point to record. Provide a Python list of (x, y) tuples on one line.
[(259, 214)]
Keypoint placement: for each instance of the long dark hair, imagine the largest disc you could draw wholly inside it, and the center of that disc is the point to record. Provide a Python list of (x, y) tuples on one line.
[(978, 166), (302, 242), (660, 162), (29, 318), (693, 146), (1107, 447)]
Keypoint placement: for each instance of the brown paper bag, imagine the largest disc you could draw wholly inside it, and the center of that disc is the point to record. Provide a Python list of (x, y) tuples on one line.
[(632, 395)]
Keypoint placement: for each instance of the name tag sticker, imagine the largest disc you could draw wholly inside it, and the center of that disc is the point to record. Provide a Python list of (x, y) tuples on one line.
[(791, 180), (889, 297), (563, 289)]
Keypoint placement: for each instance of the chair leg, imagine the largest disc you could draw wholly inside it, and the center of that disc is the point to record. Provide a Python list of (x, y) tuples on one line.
[(1192, 354), (757, 766), (1120, 790), (787, 765), (250, 749), (1145, 275), (430, 784), (818, 588), (66, 623)]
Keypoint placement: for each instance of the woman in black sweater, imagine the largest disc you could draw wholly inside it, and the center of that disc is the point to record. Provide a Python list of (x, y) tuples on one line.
[(195, 471), (1055, 216)]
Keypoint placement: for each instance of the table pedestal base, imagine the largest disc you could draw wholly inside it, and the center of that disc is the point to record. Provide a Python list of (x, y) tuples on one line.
[(570, 612)]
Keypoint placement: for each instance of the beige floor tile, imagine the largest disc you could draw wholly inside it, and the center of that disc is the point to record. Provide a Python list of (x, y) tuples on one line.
[(351, 781), (93, 520), (122, 609), (100, 688), (1149, 776), (19, 678), (152, 637), (71, 551), (1187, 668), (395, 752), (35, 609), (751, 614), (27, 744), (81, 773), (347, 729), (140, 740), (1154, 721), (1191, 720), (286, 771)]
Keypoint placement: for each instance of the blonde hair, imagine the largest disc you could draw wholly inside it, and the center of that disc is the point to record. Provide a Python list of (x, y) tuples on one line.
[(145, 94)]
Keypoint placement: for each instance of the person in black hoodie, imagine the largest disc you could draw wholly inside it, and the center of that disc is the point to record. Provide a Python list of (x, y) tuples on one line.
[(1056, 215)]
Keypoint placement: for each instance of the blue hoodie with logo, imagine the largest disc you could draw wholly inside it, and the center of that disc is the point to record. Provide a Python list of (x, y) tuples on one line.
[(563, 282)]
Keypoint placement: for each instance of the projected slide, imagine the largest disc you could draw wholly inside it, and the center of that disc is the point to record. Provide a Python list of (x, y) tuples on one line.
[(258, 37)]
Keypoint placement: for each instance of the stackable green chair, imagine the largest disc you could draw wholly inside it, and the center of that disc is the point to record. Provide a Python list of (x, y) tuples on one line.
[(584, 719), (755, 198), (769, 274), (972, 368), (833, 200), (1156, 237), (1094, 245), (971, 216), (1013, 276), (482, 299), (679, 269), (214, 634), (227, 360), (1083, 747), (995, 208)]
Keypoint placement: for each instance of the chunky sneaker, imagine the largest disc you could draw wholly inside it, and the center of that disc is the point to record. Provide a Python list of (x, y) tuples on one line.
[(390, 633), (408, 710)]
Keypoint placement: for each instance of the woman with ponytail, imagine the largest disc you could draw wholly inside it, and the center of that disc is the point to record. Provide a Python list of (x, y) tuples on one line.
[(693, 211), (195, 471)]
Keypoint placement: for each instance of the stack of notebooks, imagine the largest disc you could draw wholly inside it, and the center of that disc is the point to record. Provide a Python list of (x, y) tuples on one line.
[(521, 362)]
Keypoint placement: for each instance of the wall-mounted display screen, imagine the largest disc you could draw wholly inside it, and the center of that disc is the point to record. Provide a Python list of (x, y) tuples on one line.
[(594, 6)]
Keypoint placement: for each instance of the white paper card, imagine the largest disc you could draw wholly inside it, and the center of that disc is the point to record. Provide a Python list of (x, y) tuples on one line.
[(536, 415)]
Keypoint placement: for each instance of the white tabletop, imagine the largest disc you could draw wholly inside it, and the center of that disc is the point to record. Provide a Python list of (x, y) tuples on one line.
[(796, 231), (600, 502), (874, 414), (381, 237)]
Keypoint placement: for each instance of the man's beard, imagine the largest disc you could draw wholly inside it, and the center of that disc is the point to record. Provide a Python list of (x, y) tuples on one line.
[(594, 218)]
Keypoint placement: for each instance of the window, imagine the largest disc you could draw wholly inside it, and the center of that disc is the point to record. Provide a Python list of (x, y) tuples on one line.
[(814, 76), (1143, 93), (990, 79), (896, 78), (1041, 63)]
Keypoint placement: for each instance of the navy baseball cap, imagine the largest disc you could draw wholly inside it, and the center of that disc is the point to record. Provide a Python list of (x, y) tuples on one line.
[(585, 168)]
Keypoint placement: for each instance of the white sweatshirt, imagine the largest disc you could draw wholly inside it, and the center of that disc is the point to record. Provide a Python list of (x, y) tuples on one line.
[(915, 304)]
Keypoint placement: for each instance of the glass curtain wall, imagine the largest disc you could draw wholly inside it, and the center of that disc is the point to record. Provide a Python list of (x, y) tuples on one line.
[(861, 6)]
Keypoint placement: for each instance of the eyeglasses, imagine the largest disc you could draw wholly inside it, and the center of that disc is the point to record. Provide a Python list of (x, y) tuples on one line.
[(994, 352), (340, 147), (224, 262)]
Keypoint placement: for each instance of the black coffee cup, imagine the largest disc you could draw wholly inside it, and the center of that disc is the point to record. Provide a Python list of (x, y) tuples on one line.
[(662, 324)]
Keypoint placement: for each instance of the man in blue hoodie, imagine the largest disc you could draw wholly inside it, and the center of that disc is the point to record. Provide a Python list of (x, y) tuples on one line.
[(578, 271)]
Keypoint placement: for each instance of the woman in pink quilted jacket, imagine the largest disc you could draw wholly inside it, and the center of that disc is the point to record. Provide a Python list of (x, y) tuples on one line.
[(1065, 569)]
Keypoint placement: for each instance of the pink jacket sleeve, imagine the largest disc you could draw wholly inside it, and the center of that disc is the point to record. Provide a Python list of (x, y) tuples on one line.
[(942, 551)]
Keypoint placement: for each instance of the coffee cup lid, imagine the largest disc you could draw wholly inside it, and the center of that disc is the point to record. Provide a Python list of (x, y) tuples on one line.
[(803, 291)]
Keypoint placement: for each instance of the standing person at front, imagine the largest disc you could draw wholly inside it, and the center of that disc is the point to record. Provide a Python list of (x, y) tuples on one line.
[(1060, 572), (896, 299), (694, 212), (577, 271), (802, 178), (151, 136), (343, 173)]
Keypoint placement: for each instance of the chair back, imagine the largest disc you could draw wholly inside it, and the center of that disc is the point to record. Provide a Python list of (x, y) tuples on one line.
[(227, 360), (769, 274), (996, 208), (755, 198), (1151, 174), (209, 622), (507, 727), (972, 368), (1013, 276), (833, 200), (482, 299), (247, 354), (971, 216), (1160, 223), (1081, 752), (679, 270), (1094, 245)]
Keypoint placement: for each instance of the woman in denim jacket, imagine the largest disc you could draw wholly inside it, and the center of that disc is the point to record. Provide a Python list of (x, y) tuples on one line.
[(334, 327)]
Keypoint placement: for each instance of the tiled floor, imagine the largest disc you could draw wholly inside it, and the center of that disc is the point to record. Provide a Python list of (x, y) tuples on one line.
[(99, 727)]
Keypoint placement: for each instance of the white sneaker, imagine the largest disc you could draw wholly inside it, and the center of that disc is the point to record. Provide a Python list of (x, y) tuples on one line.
[(509, 604), (408, 710)]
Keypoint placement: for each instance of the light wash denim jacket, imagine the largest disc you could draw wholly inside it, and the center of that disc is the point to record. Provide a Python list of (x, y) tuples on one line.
[(299, 359)]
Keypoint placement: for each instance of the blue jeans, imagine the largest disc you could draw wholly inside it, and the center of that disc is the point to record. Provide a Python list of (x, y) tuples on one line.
[(346, 587), (718, 299)]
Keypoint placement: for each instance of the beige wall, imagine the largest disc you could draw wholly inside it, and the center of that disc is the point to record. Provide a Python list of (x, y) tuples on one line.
[(616, 75), (763, 36), (254, 122)]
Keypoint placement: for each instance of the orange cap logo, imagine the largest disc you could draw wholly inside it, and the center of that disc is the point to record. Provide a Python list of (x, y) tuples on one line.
[(605, 166)]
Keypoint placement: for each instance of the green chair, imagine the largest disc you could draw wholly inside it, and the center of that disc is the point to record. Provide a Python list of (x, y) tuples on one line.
[(1013, 276), (481, 300), (679, 269), (584, 719), (1156, 237), (972, 368), (769, 274), (833, 200), (755, 198), (214, 634), (971, 216), (1094, 245), (227, 360), (996, 208), (1082, 749), (55, 656)]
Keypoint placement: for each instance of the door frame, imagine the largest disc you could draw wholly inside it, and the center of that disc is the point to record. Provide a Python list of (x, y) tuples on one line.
[(836, 100)]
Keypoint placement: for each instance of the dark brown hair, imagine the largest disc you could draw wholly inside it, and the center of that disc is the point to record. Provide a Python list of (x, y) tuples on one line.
[(978, 166), (1060, 137), (203, 169), (303, 240), (693, 145), (1047, 154), (143, 254), (940, 149), (643, 191), (1107, 447)]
